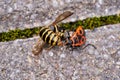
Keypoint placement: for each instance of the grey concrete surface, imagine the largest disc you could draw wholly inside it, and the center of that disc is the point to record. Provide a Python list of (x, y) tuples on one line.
[(103, 63), (18, 63), (31, 13)]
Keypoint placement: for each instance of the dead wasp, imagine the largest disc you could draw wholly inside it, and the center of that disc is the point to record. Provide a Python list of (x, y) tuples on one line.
[(51, 34)]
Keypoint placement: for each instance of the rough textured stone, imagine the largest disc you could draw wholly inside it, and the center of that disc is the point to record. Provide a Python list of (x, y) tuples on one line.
[(103, 63), (18, 63), (31, 13)]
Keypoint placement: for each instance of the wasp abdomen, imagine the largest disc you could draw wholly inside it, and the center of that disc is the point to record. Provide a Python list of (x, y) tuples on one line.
[(49, 36)]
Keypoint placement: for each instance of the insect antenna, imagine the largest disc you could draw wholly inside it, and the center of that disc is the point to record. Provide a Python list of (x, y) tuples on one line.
[(89, 45)]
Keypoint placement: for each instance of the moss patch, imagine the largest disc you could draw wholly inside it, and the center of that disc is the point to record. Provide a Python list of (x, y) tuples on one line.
[(89, 23), (18, 34)]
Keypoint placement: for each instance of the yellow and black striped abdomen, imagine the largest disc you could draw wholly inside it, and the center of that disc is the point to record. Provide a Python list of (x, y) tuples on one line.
[(49, 36)]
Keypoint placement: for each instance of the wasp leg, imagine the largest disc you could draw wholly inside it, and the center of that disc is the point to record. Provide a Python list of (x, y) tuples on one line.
[(50, 48), (89, 45)]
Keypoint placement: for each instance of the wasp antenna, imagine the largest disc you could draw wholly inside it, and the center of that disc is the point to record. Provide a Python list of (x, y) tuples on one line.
[(89, 45)]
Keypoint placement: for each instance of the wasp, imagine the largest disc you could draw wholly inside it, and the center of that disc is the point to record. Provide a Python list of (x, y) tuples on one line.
[(77, 39), (51, 34)]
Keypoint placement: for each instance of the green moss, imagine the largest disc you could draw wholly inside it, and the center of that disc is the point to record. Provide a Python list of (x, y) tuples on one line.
[(89, 23), (18, 34)]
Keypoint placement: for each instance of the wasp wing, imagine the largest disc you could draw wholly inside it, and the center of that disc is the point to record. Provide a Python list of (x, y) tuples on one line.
[(62, 17), (38, 47)]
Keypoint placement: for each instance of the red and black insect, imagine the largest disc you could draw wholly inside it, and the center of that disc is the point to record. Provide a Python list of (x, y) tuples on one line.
[(77, 39)]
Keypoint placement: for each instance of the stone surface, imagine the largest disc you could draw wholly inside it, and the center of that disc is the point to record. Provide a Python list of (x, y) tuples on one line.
[(103, 63), (18, 63), (31, 13)]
